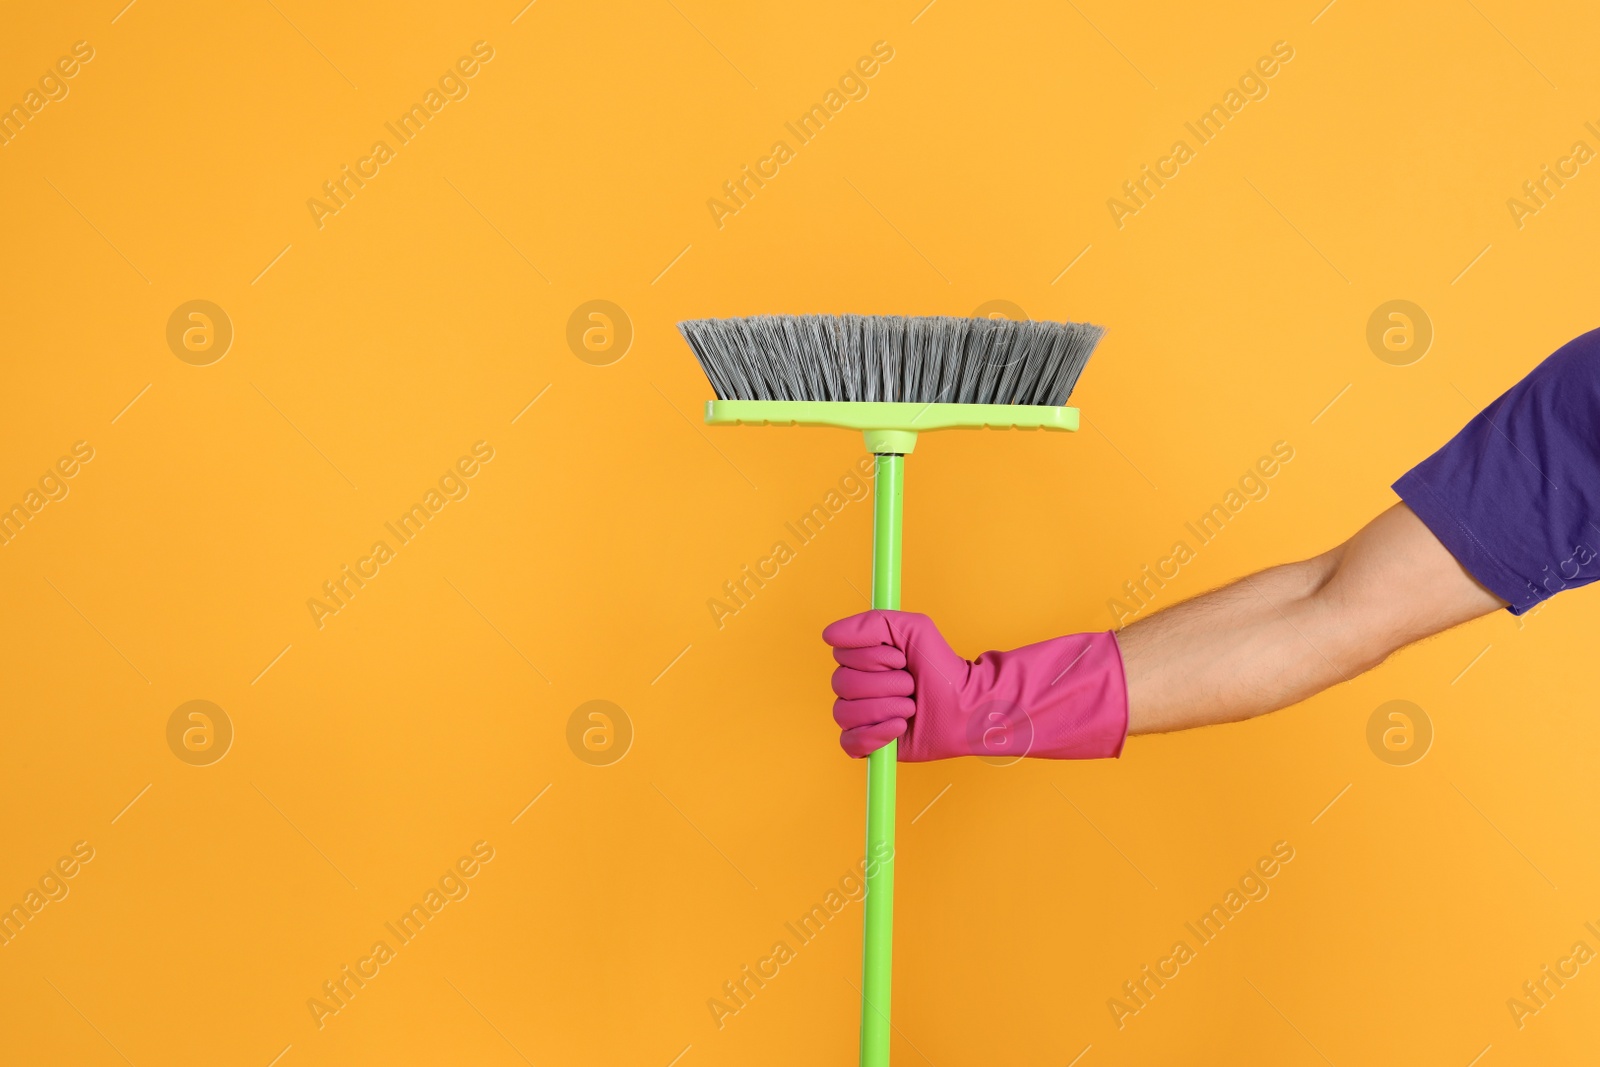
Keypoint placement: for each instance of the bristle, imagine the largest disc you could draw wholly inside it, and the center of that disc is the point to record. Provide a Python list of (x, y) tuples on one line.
[(924, 359)]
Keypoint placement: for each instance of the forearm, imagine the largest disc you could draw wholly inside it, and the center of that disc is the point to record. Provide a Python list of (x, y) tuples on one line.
[(1260, 644), (1278, 637)]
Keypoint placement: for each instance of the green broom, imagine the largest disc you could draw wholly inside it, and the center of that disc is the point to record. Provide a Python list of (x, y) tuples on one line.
[(891, 377)]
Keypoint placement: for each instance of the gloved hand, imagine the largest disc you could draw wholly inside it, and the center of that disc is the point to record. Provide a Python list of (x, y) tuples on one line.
[(1065, 698)]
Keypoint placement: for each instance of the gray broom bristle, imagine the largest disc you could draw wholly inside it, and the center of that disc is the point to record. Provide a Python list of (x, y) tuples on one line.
[(916, 359)]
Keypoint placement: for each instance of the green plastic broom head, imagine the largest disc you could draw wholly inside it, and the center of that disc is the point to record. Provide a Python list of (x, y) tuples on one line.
[(891, 376)]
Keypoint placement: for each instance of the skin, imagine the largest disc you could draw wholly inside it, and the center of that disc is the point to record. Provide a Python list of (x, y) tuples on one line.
[(1280, 636)]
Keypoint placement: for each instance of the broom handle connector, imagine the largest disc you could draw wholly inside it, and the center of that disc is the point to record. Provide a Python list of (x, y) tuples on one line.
[(891, 442), (877, 961)]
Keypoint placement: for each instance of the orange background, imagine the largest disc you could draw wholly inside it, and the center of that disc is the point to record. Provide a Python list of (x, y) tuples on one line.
[(369, 755)]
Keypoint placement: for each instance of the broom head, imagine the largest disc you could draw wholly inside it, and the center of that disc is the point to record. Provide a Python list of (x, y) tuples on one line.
[(891, 375)]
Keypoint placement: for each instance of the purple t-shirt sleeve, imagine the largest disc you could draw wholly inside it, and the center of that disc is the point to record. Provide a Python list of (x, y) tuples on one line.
[(1515, 496)]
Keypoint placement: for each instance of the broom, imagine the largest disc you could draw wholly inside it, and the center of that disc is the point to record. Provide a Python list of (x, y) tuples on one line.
[(891, 377)]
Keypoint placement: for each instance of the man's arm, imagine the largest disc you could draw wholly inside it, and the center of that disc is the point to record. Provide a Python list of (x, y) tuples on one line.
[(1260, 644), (1278, 637)]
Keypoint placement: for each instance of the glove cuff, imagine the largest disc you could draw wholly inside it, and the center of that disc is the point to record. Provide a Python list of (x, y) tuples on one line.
[(1066, 698)]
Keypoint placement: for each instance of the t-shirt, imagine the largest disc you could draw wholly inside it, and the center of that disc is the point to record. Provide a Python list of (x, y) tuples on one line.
[(1515, 496)]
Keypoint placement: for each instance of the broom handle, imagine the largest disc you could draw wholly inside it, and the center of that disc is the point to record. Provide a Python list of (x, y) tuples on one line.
[(877, 956)]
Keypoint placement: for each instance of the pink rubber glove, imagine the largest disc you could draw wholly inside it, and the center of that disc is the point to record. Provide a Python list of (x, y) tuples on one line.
[(1065, 698)]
